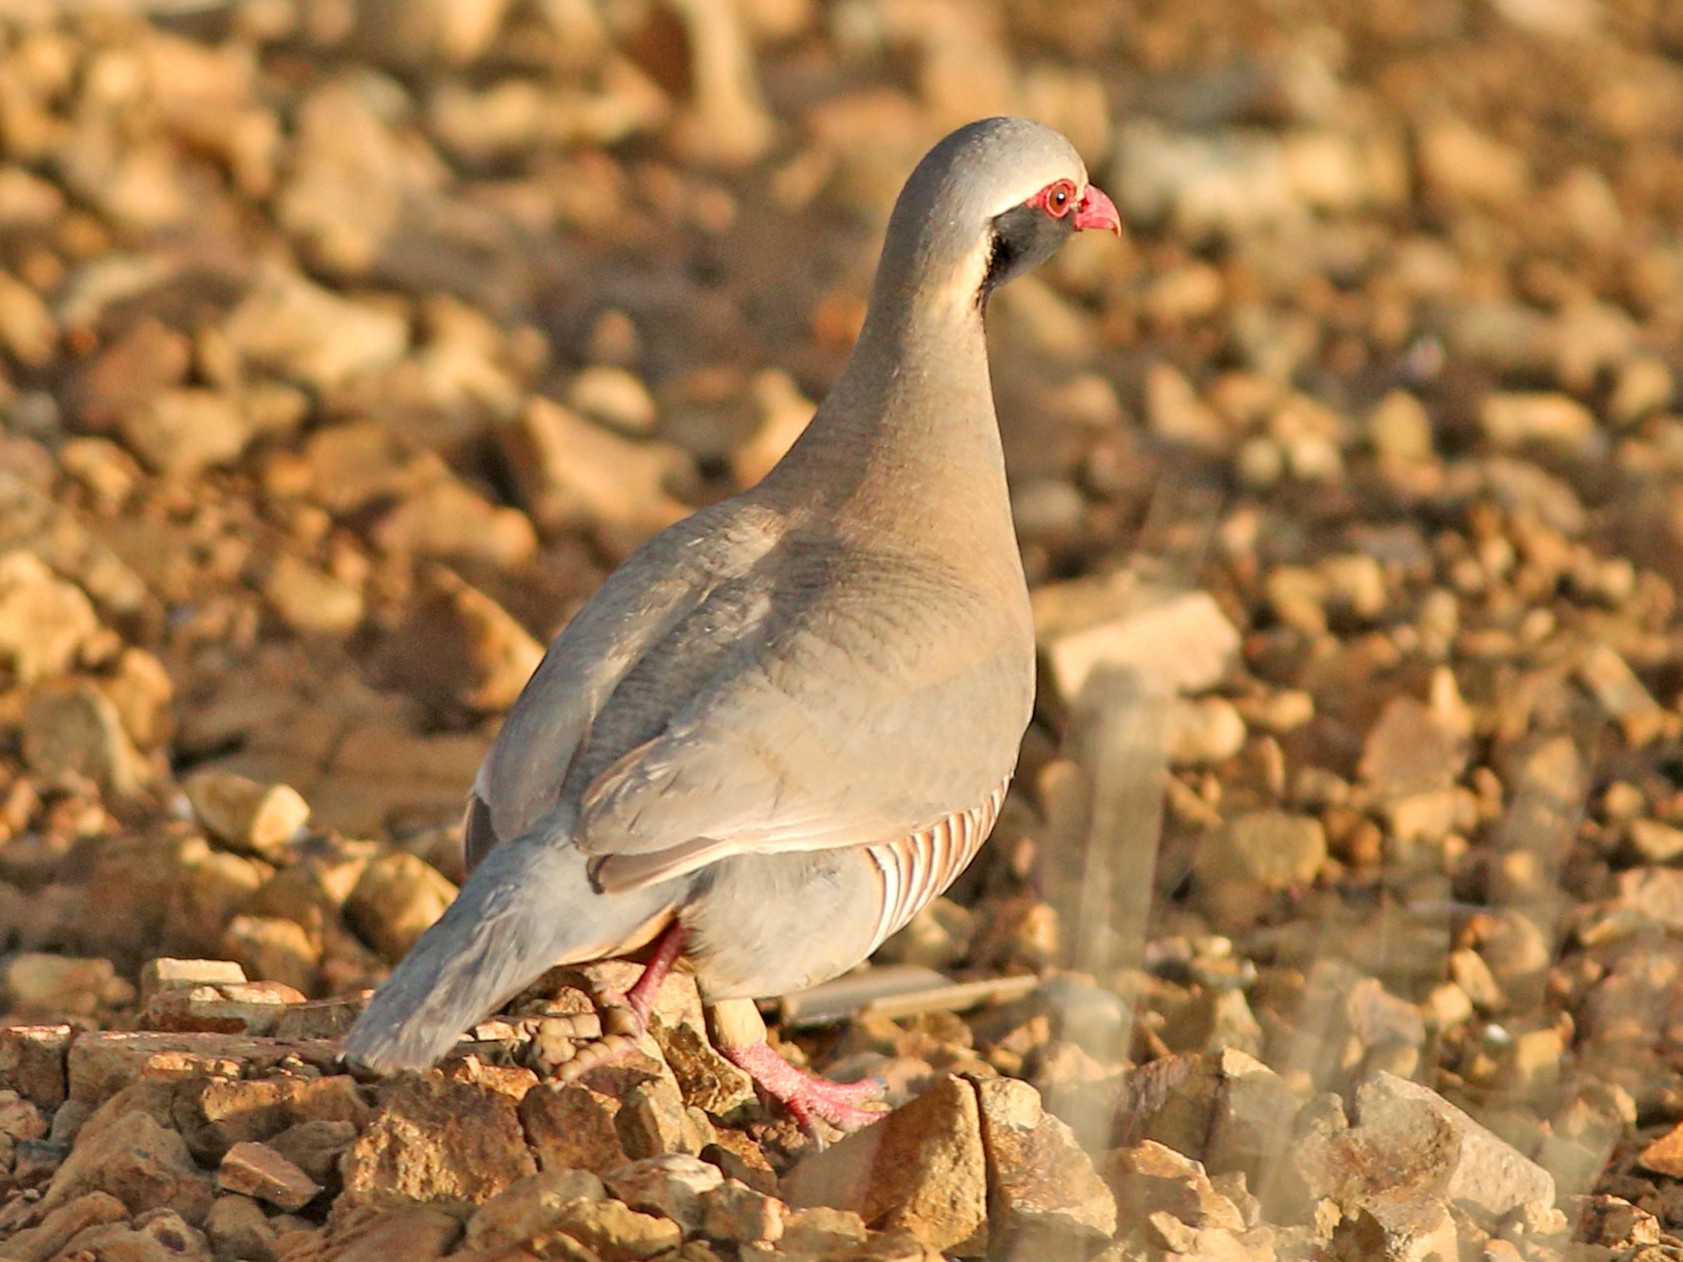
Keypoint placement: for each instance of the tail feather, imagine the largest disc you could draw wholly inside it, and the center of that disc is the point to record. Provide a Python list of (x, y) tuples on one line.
[(529, 906)]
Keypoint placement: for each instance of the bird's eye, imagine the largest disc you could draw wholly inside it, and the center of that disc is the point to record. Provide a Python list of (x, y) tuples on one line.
[(1058, 198)]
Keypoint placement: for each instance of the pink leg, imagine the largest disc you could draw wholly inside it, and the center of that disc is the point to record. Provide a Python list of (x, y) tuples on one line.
[(640, 998), (805, 1096)]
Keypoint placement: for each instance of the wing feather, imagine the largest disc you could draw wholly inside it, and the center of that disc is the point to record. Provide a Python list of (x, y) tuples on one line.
[(661, 586), (768, 761)]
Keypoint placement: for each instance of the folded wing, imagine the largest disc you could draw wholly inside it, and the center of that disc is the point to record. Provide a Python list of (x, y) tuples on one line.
[(762, 761)]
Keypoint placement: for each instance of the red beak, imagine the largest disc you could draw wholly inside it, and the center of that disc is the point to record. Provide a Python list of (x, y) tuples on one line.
[(1095, 210)]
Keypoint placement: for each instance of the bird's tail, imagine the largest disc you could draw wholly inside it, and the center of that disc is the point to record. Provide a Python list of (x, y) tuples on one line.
[(529, 906)]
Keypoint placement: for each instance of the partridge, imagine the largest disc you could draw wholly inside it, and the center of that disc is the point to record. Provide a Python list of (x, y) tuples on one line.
[(787, 722)]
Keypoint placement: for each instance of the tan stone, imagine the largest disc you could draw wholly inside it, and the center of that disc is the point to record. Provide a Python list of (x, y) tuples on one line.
[(211, 888), (241, 1008), (1653, 841), (1615, 1223), (821, 1228), (1483, 1176), (740, 1158), (652, 1120), (1521, 419), (571, 1126), (1409, 1146), (673, 1185), (38, 982), (32, 1062), (214, 1114), (44, 621), (922, 1167), (161, 1235), (1459, 162), (735, 1212), (315, 1146), (238, 1229), (575, 474), (613, 397), (313, 888), (617, 1233), (514, 1081), (311, 335), (396, 900), (447, 520), (319, 1019), (1043, 1193), (1665, 1154), (530, 1207), (19, 1119), (433, 1139), (154, 1097), (256, 1170), (146, 358), (62, 1224), (1150, 1178), (101, 1062), (371, 1233), (1411, 751), (1204, 731), (74, 730), (380, 770), (258, 818), (706, 1079), (182, 432), (311, 601), (459, 649), (1226, 1109), (165, 972), (1173, 640), (1410, 1231), (1274, 849), (142, 1163), (274, 949)]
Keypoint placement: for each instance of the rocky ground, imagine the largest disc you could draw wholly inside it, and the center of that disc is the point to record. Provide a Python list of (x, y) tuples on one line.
[(1337, 911)]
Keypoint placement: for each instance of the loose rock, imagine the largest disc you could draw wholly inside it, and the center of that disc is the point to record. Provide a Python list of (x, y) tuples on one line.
[(77, 731), (673, 1185), (530, 1207), (1042, 1189), (256, 1170), (260, 819), (395, 901), (571, 1127), (436, 1139), (1170, 641), (142, 1163), (923, 1168), (44, 622)]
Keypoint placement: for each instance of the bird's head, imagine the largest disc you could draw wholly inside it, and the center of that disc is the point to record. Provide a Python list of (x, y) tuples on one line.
[(989, 202)]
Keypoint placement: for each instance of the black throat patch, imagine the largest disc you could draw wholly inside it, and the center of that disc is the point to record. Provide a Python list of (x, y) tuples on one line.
[(1023, 238)]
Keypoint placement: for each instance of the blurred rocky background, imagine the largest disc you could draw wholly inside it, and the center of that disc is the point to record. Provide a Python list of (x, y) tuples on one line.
[(1337, 911)]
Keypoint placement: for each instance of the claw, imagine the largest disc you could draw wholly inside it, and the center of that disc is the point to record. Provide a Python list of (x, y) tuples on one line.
[(565, 1047), (807, 1097)]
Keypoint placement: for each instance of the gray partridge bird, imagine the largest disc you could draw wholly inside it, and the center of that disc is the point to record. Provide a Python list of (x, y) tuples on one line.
[(787, 722)]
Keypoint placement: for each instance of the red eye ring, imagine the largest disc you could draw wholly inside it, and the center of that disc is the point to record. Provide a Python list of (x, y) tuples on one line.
[(1057, 198)]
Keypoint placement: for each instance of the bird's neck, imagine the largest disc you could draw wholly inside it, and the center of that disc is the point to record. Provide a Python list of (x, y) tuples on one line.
[(907, 438)]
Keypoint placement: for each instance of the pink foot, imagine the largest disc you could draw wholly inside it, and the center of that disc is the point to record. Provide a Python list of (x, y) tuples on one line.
[(805, 1096), (624, 1018)]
